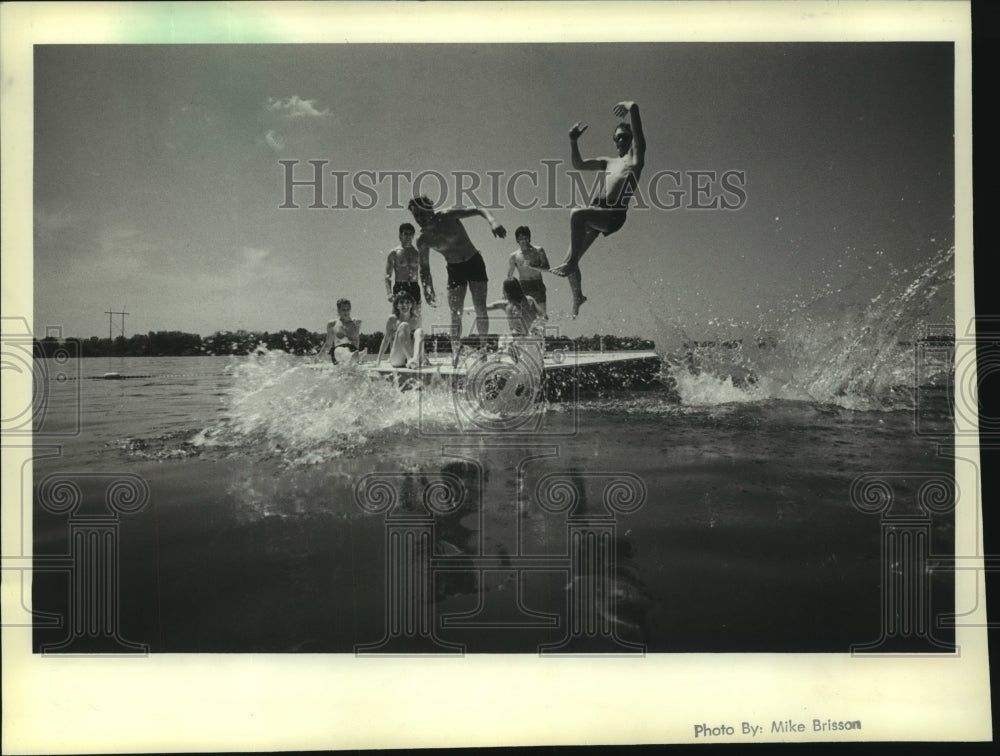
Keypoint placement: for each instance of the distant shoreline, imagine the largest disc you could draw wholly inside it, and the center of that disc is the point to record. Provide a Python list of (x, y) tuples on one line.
[(299, 342), (305, 343)]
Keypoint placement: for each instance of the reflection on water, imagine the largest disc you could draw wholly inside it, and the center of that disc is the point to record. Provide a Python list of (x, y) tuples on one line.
[(442, 547)]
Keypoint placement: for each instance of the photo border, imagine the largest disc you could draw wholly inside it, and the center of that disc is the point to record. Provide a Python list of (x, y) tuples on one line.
[(266, 702)]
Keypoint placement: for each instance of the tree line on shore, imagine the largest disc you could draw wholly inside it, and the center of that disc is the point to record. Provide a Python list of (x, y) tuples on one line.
[(299, 342)]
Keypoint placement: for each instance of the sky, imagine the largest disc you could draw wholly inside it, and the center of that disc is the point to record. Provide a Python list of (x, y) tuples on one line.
[(158, 186)]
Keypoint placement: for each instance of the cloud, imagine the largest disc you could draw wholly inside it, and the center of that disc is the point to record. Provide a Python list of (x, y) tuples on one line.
[(296, 107), (254, 256), (274, 141)]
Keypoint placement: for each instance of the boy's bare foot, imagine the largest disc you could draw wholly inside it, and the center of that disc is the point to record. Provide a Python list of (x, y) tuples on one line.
[(577, 303)]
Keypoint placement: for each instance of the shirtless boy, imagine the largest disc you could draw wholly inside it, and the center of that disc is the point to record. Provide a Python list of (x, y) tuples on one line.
[(443, 230), (343, 336), (409, 268), (528, 261), (607, 213)]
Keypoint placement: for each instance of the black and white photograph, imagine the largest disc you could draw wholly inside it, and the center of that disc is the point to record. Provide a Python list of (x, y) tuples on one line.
[(594, 373)]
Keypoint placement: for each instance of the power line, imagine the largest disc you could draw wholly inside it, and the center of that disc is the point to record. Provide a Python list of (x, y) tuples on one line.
[(111, 314)]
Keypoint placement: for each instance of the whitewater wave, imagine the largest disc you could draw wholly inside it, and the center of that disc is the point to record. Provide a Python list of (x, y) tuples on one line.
[(821, 351), (308, 412)]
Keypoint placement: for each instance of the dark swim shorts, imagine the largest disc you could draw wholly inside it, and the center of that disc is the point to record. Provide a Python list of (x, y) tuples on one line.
[(617, 217), (473, 269), (534, 288), (410, 287)]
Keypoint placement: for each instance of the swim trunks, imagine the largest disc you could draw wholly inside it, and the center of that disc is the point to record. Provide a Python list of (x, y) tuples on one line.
[(617, 217), (473, 269), (410, 287), (534, 288)]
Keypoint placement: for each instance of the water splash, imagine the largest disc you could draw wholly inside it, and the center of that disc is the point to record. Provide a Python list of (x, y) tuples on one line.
[(305, 412), (824, 350)]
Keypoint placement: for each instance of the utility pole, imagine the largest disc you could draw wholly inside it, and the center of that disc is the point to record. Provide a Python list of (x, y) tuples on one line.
[(111, 314)]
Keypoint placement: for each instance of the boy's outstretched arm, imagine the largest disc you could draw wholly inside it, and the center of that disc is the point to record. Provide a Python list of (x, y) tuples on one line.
[(638, 137), (463, 212), (595, 164)]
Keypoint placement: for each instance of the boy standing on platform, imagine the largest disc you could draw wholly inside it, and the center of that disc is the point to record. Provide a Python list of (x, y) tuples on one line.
[(443, 230), (409, 268), (529, 261)]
